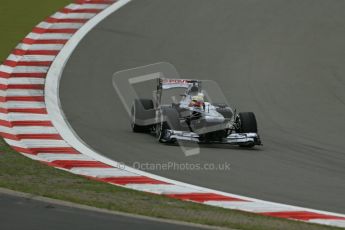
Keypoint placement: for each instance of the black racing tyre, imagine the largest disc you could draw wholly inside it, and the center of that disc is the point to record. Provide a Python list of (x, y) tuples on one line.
[(161, 131), (169, 120), (247, 123), (142, 113)]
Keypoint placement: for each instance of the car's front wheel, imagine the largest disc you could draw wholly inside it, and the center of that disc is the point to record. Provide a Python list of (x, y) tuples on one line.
[(161, 131), (169, 119), (246, 123)]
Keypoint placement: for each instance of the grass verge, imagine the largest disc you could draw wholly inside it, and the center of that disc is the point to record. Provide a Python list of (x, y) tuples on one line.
[(22, 174), (19, 16)]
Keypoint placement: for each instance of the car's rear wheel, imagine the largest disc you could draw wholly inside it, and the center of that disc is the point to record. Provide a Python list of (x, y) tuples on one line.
[(142, 115)]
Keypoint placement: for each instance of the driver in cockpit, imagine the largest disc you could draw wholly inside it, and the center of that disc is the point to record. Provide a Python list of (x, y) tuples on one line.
[(197, 101)]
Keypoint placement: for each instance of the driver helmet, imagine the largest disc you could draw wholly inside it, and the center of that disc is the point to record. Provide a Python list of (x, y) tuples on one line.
[(198, 100)]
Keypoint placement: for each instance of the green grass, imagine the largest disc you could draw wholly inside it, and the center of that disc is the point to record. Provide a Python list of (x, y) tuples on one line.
[(22, 174), (18, 17)]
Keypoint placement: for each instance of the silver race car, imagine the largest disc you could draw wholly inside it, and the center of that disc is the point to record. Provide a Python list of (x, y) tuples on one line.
[(193, 110)]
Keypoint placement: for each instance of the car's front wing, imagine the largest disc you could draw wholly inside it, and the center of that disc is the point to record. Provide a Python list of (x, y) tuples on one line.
[(234, 138)]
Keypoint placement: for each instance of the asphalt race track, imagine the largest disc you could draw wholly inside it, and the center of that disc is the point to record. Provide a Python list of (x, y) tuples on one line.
[(282, 59), (35, 215)]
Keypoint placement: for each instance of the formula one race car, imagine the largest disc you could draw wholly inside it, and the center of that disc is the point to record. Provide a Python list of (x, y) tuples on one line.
[(193, 110)]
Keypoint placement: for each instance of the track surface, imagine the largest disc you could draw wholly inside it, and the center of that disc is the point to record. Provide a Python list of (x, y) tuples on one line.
[(43, 215), (284, 60)]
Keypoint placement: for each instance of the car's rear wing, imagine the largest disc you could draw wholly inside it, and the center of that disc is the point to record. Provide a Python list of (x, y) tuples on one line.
[(164, 83)]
